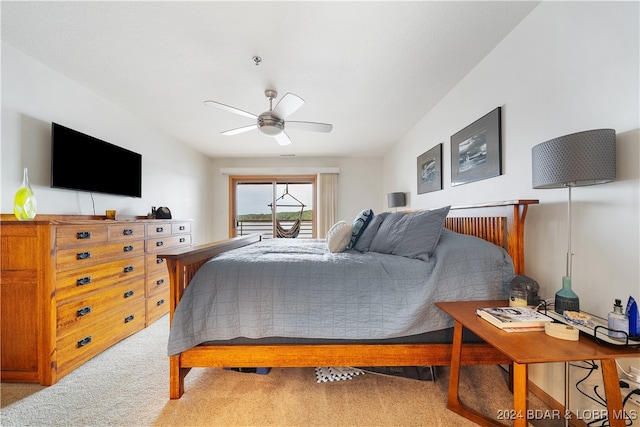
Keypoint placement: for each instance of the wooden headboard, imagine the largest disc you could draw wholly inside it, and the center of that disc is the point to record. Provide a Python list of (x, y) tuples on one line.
[(501, 223)]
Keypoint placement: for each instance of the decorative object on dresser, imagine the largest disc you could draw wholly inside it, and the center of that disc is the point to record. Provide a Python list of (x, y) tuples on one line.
[(476, 151), (396, 200), (73, 285), (24, 201), (430, 170), (574, 160)]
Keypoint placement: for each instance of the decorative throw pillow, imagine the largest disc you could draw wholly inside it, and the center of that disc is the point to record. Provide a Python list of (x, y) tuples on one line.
[(359, 225), (413, 235), (364, 242), (338, 236)]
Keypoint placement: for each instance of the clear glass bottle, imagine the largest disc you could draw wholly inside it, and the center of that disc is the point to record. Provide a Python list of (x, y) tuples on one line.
[(24, 202), (618, 322)]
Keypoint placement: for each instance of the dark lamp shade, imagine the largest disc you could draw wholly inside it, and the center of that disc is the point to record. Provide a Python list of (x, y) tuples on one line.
[(395, 200), (583, 158)]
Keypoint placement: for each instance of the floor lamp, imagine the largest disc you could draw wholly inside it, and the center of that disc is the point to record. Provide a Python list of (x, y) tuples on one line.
[(575, 160)]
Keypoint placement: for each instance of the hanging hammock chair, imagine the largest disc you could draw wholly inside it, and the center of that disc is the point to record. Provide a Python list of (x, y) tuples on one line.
[(294, 230)]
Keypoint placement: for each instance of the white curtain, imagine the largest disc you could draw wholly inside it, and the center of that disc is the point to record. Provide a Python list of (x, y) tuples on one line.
[(327, 202)]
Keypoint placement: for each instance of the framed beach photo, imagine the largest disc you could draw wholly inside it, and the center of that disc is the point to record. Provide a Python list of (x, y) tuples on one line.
[(476, 150), (430, 170)]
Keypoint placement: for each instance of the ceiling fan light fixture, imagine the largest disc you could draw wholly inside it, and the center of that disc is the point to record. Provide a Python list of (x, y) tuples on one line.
[(270, 125)]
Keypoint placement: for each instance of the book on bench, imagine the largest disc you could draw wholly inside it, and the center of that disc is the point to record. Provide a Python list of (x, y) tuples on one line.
[(514, 319)]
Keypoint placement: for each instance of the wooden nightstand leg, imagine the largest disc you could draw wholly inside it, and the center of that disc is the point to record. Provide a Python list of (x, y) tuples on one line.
[(453, 400), (520, 394), (612, 393)]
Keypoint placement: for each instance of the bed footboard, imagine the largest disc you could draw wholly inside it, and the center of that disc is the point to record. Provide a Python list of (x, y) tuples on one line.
[(183, 263)]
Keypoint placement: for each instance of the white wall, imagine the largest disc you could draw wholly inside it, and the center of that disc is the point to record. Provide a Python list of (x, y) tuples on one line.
[(568, 67), (359, 183), (34, 95), (174, 175)]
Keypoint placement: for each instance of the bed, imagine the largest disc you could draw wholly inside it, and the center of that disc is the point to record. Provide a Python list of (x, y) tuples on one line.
[(500, 223)]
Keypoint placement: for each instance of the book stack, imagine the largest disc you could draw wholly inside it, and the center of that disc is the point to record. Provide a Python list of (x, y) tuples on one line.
[(514, 319)]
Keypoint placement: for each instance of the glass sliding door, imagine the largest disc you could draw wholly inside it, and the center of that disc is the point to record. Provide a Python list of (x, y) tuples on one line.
[(273, 206)]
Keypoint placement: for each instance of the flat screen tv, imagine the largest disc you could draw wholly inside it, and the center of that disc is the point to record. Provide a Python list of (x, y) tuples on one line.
[(82, 162)]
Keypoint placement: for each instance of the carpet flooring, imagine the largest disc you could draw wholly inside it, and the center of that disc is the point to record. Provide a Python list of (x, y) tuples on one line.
[(127, 385)]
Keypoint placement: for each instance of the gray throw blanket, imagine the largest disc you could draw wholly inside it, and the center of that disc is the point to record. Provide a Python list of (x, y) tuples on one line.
[(297, 288)]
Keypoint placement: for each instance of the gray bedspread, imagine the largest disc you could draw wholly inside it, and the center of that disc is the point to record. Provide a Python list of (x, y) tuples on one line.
[(297, 288)]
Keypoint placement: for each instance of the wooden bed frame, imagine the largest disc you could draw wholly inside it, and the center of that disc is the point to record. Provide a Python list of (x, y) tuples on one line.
[(501, 223)]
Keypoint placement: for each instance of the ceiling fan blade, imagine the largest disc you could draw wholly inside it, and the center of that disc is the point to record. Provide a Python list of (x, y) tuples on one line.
[(312, 126), (288, 105), (240, 130), (282, 138), (230, 109)]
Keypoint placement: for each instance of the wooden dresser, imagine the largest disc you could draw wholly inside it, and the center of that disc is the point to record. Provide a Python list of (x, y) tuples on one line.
[(72, 286)]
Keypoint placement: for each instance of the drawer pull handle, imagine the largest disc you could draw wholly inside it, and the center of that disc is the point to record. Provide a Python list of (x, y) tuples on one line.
[(129, 318), (128, 269), (160, 302), (159, 260), (83, 255), (160, 243), (127, 232), (83, 311), (159, 229), (182, 240), (84, 341), (181, 228), (159, 282), (83, 235), (128, 248), (128, 294), (83, 281)]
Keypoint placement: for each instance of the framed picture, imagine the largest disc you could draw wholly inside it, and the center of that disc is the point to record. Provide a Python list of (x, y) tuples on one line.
[(476, 151), (430, 170)]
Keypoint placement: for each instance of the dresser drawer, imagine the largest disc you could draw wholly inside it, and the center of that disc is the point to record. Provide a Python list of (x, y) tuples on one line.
[(181, 227), (155, 264), (85, 256), (87, 341), (162, 243), (131, 231), (72, 283), (157, 305), (78, 234), (97, 305), (157, 282), (159, 229)]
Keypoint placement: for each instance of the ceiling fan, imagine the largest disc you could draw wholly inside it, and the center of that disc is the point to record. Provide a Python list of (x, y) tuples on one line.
[(271, 123)]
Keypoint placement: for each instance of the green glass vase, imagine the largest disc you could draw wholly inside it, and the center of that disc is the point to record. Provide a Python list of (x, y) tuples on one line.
[(24, 202)]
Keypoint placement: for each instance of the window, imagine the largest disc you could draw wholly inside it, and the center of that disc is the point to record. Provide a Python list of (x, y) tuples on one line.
[(264, 205)]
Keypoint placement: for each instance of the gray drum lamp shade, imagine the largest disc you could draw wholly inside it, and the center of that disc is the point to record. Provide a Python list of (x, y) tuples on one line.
[(395, 200), (583, 158)]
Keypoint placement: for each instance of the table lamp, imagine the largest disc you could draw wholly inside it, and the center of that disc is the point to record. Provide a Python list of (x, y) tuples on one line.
[(574, 160), (395, 200)]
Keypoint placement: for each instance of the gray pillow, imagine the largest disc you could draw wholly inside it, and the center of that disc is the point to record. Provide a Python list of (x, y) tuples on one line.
[(364, 242), (411, 235)]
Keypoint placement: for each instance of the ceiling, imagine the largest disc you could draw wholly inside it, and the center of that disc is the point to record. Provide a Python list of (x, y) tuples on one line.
[(372, 69)]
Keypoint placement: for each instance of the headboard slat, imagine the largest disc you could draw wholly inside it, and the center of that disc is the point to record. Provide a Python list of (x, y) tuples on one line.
[(500, 223)]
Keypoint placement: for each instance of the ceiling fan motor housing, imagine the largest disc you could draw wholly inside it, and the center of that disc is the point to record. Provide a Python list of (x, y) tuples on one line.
[(269, 124)]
